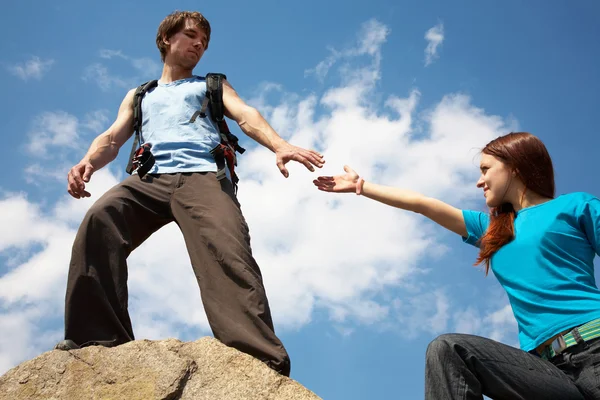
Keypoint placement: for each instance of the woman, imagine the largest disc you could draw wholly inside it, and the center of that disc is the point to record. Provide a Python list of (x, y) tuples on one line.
[(541, 250)]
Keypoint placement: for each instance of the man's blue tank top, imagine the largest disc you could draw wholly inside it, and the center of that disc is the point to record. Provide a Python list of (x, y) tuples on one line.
[(179, 145)]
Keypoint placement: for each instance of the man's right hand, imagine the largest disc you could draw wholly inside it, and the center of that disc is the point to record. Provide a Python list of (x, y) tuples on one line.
[(78, 176), (103, 149)]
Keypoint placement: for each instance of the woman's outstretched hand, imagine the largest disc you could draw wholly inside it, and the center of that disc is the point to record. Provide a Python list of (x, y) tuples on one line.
[(338, 184)]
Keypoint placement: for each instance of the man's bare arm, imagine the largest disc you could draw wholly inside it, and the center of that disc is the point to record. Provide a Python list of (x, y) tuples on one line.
[(252, 123), (104, 148)]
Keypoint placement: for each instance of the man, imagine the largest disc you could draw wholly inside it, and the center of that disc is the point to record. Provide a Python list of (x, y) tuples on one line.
[(183, 187)]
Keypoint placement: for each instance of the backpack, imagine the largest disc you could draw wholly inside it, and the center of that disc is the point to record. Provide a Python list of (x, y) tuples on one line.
[(141, 159)]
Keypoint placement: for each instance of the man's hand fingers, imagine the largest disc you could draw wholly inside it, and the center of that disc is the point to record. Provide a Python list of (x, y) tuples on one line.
[(73, 194), (304, 158), (74, 191), (87, 173), (76, 186), (72, 185), (315, 160), (309, 158), (316, 154), (314, 157), (305, 161), (76, 178), (282, 168)]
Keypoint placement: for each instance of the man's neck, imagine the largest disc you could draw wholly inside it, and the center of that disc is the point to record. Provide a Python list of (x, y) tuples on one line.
[(172, 73)]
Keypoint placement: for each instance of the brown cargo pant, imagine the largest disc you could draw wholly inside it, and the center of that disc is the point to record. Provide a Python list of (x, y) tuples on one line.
[(218, 242)]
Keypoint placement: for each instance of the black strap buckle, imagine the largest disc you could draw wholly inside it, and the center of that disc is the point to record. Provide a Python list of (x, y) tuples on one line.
[(143, 160)]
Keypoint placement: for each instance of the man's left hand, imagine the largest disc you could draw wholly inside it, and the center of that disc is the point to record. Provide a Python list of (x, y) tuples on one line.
[(287, 152)]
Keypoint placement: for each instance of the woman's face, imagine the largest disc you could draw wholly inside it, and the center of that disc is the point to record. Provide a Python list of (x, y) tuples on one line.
[(495, 180)]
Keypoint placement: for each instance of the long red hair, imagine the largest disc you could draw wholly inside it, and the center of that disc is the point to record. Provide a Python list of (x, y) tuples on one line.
[(529, 158)]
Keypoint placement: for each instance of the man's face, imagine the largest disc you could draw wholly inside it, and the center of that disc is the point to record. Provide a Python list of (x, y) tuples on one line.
[(187, 46)]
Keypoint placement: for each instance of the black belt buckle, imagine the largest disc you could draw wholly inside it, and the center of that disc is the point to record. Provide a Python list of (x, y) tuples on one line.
[(143, 160)]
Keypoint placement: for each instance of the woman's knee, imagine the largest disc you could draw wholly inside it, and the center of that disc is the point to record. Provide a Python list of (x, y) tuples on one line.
[(443, 345)]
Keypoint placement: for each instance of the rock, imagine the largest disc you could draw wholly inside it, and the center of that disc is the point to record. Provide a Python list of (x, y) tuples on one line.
[(167, 370)]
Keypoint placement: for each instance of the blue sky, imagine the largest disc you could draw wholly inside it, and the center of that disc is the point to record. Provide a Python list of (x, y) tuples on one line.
[(404, 92)]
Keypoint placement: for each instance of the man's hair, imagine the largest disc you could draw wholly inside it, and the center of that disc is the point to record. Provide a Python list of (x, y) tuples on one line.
[(174, 23)]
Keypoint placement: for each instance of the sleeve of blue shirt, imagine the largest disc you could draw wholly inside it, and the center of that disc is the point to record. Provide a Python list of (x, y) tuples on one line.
[(590, 221), (476, 223)]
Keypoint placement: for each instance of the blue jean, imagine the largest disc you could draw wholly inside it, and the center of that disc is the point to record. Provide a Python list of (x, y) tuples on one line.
[(467, 367)]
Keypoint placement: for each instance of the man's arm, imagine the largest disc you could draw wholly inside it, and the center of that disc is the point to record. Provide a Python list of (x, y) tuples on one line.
[(252, 123), (104, 149)]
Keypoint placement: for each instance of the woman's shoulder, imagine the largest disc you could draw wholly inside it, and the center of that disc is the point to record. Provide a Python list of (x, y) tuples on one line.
[(577, 197), (577, 203)]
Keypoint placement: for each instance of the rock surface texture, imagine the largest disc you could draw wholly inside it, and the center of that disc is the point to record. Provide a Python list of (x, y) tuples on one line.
[(167, 370)]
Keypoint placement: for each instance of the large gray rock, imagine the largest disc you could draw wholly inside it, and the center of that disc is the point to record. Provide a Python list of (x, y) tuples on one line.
[(143, 369)]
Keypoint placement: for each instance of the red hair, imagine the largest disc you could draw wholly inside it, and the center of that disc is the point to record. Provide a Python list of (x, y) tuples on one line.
[(528, 157)]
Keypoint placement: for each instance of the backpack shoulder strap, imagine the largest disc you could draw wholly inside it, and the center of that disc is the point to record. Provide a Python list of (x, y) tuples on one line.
[(214, 88), (139, 94), (214, 100)]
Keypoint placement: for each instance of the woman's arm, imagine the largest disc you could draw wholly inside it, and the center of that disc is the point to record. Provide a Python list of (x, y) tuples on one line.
[(442, 213)]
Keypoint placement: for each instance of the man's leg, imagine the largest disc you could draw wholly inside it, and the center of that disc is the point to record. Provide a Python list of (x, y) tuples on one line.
[(231, 285), (466, 367), (96, 306)]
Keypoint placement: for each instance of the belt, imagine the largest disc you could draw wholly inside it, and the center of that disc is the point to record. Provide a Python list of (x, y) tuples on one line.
[(577, 335)]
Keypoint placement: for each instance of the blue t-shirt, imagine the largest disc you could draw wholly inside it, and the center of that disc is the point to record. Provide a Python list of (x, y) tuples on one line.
[(179, 145), (548, 269)]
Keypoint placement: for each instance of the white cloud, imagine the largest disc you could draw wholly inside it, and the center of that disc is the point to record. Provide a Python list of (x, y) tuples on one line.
[(39, 174), (34, 68), (502, 325), (371, 37), (61, 130), (52, 129), (145, 68), (434, 37), (96, 121), (108, 54), (341, 254), (99, 74), (422, 311), (23, 338), (62, 138), (499, 324)]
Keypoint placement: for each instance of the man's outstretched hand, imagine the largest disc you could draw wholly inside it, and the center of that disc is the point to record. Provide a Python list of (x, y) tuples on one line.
[(288, 152)]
